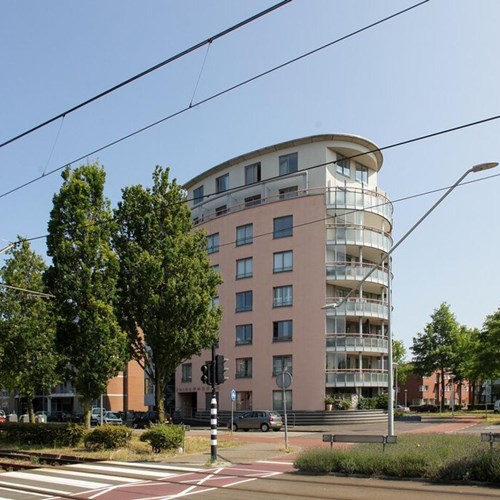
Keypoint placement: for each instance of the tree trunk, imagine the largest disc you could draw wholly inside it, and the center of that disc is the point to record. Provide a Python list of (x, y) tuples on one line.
[(86, 412), (31, 413), (159, 399)]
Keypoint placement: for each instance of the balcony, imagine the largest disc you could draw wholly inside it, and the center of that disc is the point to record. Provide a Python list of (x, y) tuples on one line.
[(355, 306), (360, 236), (359, 199), (346, 271), (356, 343), (356, 378)]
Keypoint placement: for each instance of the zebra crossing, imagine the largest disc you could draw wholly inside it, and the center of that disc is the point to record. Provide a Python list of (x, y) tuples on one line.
[(85, 480), (112, 480)]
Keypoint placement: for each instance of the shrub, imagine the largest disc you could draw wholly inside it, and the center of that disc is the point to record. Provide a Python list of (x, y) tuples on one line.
[(41, 434), (367, 404), (164, 437), (107, 437)]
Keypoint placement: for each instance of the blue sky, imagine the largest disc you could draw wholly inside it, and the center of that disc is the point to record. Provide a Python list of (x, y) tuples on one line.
[(430, 69)]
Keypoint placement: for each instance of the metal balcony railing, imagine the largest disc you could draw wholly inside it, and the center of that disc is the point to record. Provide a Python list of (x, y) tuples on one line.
[(356, 343), (341, 271), (355, 306), (359, 236), (356, 378)]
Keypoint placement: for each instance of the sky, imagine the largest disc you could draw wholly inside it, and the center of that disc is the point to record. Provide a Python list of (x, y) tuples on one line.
[(430, 69)]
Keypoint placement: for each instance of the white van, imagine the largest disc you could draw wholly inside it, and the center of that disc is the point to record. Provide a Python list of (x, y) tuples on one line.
[(496, 408)]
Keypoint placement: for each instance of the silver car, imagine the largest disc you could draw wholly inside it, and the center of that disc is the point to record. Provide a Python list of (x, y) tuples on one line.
[(263, 420)]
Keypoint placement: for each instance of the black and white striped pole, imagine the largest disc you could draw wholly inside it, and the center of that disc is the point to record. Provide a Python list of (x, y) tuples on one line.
[(213, 414)]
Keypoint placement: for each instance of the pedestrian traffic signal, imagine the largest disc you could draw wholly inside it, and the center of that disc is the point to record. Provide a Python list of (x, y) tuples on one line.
[(206, 373), (220, 370)]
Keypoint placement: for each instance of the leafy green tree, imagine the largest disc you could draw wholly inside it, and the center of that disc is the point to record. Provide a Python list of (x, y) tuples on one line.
[(403, 368), (436, 348), (83, 278), (488, 354), (167, 284), (27, 327)]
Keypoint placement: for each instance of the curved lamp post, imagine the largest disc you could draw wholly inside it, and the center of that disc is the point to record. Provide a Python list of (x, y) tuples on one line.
[(390, 404)]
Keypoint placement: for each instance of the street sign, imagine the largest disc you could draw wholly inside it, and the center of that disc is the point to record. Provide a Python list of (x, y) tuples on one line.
[(233, 395), (283, 380)]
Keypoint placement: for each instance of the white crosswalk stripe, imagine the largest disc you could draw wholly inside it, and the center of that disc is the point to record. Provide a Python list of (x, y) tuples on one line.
[(91, 478)]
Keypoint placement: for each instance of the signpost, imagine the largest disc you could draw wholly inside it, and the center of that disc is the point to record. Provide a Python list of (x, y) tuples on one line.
[(284, 381), (233, 399)]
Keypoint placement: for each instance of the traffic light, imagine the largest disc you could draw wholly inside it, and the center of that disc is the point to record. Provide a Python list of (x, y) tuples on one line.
[(206, 373), (220, 371)]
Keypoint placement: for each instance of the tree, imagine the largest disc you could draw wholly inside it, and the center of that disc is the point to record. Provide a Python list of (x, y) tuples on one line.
[(27, 327), (436, 348), (488, 354), (167, 284), (83, 278), (398, 356)]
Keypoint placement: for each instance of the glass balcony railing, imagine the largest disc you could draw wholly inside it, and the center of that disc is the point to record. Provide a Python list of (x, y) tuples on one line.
[(356, 343), (357, 307), (358, 199), (356, 378), (359, 236), (340, 271)]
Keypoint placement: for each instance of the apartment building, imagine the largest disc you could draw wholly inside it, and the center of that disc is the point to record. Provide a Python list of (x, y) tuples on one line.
[(293, 228)]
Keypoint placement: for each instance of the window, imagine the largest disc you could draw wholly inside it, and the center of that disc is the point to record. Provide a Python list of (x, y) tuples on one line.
[(289, 192), (251, 201), (244, 334), (282, 296), (215, 302), (283, 226), (243, 368), (361, 174), (288, 163), (282, 330), (213, 243), (252, 173), (221, 210), (278, 400), (222, 183), (244, 400), (244, 235), (244, 268), (423, 388), (187, 372), (283, 261), (216, 268), (198, 195), (343, 166), (244, 301), (282, 364)]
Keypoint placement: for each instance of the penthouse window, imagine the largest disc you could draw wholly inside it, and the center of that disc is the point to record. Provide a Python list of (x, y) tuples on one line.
[(198, 195), (222, 183), (361, 174), (343, 166), (283, 226), (288, 163), (252, 173)]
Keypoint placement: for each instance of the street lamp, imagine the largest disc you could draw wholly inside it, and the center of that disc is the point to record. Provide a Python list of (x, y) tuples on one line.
[(390, 404)]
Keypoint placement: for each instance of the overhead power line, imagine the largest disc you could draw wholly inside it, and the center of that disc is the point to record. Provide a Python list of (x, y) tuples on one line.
[(212, 97), (147, 71)]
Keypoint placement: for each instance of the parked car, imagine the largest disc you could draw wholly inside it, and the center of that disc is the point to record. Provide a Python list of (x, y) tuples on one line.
[(402, 409), (108, 418), (263, 420), (428, 408), (144, 420), (496, 407), (3, 417)]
